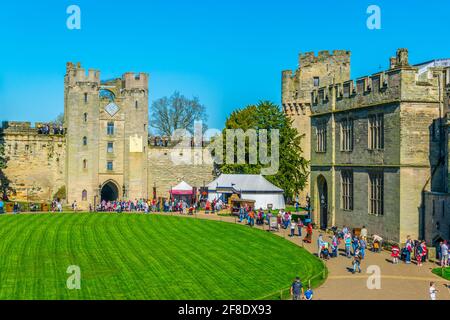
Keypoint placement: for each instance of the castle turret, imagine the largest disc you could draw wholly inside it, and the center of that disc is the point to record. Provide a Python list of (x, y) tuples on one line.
[(107, 125), (325, 69)]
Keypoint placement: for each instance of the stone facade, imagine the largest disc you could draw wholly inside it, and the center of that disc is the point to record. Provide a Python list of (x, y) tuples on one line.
[(163, 173), (322, 70), (104, 152), (406, 160), (36, 162)]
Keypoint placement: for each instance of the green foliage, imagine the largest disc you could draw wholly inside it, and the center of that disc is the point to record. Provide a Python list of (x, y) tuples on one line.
[(59, 120), (2, 156), (4, 181), (61, 193), (292, 174), (132, 256)]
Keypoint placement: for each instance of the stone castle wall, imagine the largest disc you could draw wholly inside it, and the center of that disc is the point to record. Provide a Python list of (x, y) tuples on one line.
[(164, 173), (35, 166)]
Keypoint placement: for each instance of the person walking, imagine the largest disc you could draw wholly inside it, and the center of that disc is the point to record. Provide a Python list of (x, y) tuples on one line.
[(364, 233), (362, 247), (319, 245), (347, 242), (444, 254), (433, 291), (357, 261), (408, 250), (297, 289)]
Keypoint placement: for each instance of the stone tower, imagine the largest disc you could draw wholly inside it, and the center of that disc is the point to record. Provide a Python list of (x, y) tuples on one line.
[(313, 72), (106, 139)]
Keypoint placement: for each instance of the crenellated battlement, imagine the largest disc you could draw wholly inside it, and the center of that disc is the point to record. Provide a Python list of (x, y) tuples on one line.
[(309, 58), (76, 73), (23, 127), (314, 70), (133, 80), (401, 83)]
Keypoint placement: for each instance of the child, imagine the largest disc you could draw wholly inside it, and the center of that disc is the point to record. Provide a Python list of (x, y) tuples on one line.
[(292, 228), (419, 255), (357, 261), (433, 291), (334, 247), (395, 252), (308, 295)]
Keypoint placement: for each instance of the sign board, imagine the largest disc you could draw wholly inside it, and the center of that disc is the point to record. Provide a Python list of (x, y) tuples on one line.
[(136, 144)]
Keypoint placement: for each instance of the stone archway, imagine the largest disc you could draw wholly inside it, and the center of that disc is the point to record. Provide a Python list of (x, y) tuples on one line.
[(322, 190), (110, 191)]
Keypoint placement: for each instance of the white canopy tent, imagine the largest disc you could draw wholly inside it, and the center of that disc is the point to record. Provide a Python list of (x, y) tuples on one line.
[(182, 191), (250, 187)]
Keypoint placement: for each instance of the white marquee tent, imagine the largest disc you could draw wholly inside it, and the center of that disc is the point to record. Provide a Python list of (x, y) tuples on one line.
[(250, 187)]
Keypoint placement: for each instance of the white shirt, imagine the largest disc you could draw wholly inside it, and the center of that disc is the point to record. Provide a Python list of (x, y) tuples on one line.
[(433, 293)]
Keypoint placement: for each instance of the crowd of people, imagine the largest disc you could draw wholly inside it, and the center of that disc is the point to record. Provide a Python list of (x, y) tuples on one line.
[(50, 128)]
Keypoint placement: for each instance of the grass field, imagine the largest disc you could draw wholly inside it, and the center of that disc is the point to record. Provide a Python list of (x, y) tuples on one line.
[(131, 256), (442, 272)]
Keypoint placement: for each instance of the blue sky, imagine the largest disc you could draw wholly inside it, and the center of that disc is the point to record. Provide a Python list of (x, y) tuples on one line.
[(228, 53)]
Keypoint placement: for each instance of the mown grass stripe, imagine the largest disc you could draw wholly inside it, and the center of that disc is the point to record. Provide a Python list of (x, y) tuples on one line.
[(135, 256)]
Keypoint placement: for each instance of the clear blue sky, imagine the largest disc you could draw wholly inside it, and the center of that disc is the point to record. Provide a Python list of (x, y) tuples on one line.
[(228, 53)]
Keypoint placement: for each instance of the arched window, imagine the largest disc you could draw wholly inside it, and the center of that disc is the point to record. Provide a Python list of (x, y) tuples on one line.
[(84, 195), (85, 117), (106, 94), (84, 164), (84, 141)]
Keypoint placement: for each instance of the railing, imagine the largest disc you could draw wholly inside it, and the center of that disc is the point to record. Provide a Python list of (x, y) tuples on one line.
[(285, 293)]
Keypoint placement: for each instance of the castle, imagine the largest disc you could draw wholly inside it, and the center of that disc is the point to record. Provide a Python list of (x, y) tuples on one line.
[(378, 146), (104, 151)]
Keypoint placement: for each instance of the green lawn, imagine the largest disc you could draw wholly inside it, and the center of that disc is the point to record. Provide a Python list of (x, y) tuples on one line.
[(442, 272), (131, 256)]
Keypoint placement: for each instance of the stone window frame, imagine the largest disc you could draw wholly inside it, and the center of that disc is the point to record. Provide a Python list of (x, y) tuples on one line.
[(110, 149), (109, 166), (84, 164), (85, 117), (375, 131), (316, 82), (346, 135), (110, 128), (376, 193), (86, 98), (321, 137), (347, 190), (84, 195)]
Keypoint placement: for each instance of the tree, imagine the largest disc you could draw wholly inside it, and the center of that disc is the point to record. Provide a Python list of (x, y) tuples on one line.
[(59, 120), (4, 181), (176, 112), (292, 172)]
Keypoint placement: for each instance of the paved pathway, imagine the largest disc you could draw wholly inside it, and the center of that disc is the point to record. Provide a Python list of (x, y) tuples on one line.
[(398, 282)]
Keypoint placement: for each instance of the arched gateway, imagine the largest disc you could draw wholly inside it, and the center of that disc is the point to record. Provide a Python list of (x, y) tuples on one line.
[(110, 191)]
